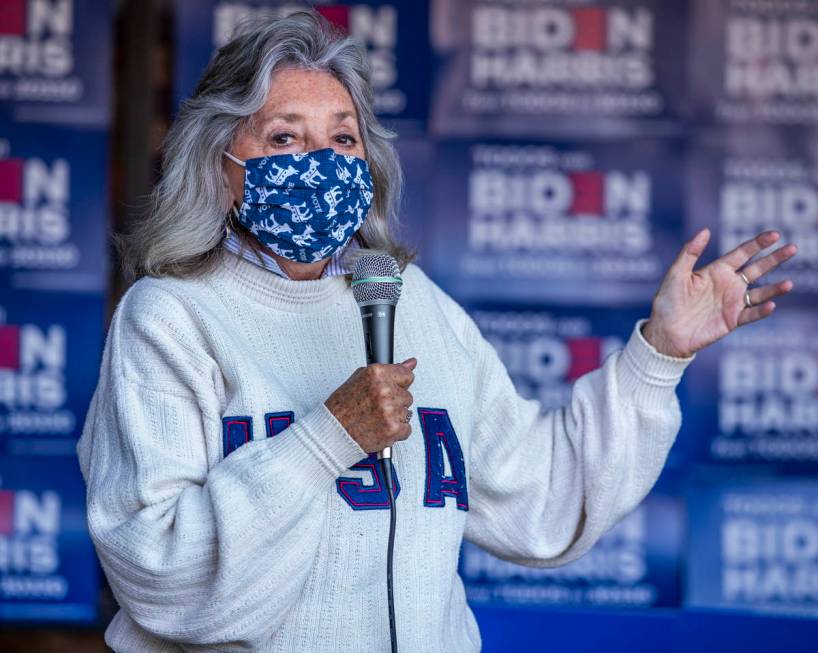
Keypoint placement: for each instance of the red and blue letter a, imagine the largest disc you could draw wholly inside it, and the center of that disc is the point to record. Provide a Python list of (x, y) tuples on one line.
[(440, 439)]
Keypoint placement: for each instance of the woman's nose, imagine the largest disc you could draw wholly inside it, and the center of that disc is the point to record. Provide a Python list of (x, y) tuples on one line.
[(317, 142)]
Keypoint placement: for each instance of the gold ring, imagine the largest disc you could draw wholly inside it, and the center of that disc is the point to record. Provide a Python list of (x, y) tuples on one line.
[(408, 416), (744, 277), (747, 301)]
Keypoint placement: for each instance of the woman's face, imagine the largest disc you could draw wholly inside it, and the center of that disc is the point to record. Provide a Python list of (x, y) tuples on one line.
[(305, 110)]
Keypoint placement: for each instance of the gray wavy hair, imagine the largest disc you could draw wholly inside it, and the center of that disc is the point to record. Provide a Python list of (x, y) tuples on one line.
[(185, 221)]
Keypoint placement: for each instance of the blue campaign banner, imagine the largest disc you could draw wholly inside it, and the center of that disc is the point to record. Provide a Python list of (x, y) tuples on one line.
[(50, 350), (53, 209), (553, 67), (579, 223), (754, 546), (48, 569), (741, 183), (753, 396), (55, 61), (395, 34), (637, 564), (754, 62)]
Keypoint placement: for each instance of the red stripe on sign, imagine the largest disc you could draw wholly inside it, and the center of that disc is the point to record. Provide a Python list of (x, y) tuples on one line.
[(9, 347), (589, 190), (336, 14), (590, 24), (11, 180), (13, 17), (6, 512), (585, 356)]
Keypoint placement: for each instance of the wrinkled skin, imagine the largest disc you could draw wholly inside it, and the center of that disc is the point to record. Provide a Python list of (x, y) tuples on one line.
[(372, 404)]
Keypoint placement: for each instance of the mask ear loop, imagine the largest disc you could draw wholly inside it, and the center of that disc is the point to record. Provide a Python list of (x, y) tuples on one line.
[(234, 159)]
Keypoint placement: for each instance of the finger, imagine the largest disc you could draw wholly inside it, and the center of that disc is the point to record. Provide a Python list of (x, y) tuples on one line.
[(760, 295), (404, 398), (404, 431), (691, 252), (401, 429), (762, 266), (748, 249), (402, 376), (755, 313), (410, 363)]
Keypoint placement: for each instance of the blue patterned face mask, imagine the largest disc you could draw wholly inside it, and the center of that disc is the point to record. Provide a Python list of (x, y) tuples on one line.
[(305, 206)]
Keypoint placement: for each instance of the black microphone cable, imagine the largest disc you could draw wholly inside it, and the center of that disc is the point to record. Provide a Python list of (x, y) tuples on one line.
[(386, 470)]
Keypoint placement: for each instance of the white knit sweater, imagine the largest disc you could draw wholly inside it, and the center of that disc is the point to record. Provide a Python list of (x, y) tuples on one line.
[(258, 550)]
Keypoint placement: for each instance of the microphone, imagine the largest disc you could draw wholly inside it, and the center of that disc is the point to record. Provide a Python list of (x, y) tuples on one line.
[(376, 285)]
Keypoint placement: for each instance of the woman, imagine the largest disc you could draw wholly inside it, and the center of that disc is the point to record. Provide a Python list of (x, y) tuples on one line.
[(231, 495)]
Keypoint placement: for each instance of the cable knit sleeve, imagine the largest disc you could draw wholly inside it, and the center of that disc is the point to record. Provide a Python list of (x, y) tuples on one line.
[(544, 488), (170, 529)]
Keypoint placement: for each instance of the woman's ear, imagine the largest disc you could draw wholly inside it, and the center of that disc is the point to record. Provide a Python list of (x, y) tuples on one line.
[(233, 179)]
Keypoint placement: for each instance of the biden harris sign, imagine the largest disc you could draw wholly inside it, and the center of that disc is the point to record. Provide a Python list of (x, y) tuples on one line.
[(48, 570), (754, 547), (742, 183), (754, 396), (52, 213), (49, 359), (574, 223), (755, 62), (546, 67), (54, 61)]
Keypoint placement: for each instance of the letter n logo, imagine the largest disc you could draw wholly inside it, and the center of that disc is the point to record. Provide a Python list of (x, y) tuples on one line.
[(441, 440)]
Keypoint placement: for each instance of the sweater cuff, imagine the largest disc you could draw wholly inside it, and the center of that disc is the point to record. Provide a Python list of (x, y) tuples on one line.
[(647, 377), (328, 441)]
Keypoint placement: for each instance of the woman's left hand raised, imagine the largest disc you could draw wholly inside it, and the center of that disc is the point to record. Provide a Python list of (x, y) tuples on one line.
[(693, 309)]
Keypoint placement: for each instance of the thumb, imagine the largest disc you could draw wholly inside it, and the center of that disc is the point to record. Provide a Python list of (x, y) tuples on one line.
[(410, 363), (691, 252)]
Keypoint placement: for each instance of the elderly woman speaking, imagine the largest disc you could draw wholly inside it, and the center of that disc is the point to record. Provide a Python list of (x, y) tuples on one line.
[(233, 497)]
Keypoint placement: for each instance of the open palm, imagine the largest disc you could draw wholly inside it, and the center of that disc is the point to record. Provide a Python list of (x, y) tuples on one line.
[(693, 309)]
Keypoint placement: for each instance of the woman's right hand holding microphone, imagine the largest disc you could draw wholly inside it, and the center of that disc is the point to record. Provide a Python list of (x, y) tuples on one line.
[(373, 404)]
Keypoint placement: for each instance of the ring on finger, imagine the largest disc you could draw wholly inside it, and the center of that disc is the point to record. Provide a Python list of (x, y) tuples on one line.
[(747, 301), (408, 417), (743, 277)]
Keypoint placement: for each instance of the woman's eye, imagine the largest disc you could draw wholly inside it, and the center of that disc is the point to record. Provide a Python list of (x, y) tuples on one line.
[(281, 139), (346, 139)]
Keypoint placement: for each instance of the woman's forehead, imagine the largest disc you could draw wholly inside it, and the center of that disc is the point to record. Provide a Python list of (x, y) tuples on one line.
[(294, 93)]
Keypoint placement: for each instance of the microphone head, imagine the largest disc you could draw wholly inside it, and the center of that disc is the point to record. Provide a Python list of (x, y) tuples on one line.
[(376, 280)]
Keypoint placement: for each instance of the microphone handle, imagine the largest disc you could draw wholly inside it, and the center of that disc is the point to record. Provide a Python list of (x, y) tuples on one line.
[(379, 339)]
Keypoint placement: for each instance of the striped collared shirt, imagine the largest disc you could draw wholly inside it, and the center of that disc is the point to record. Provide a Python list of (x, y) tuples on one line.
[(335, 268)]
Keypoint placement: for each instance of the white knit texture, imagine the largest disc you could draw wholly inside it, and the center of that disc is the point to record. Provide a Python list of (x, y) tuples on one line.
[(257, 551)]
